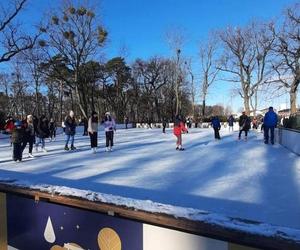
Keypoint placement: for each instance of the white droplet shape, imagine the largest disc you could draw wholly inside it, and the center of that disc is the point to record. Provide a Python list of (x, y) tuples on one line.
[(49, 232)]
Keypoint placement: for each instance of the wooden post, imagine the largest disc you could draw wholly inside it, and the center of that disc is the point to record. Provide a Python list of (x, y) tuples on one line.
[(3, 222)]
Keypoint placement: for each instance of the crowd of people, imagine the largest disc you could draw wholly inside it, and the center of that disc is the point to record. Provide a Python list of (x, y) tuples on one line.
[(33, 131), (268, 124)]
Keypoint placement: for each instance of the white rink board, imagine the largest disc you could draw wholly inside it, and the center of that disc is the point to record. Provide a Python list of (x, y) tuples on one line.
[(159, 238)]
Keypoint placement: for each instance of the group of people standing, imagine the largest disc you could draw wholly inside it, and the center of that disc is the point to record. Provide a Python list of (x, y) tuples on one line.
[(34, 131)]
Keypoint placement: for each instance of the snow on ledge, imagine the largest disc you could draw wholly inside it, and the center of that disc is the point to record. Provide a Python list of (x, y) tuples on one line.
[(238, 224)]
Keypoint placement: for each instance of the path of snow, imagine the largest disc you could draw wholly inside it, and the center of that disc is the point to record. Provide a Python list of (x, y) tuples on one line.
[(232, 178)]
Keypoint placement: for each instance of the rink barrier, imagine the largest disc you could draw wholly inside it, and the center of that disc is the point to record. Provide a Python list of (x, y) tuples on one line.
[(289, 138), (235, 239)]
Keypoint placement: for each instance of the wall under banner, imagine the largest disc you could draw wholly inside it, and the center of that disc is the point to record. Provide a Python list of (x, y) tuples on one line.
[(30, 225)]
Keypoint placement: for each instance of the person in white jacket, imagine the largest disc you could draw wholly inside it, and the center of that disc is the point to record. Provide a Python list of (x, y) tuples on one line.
[(93, 131), (109, 126)]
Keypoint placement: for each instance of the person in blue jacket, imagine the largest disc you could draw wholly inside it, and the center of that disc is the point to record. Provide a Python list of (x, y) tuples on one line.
[(270, 122), (215, 123)]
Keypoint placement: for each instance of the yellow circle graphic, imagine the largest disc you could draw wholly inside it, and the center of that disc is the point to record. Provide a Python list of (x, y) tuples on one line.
[(108, 239)]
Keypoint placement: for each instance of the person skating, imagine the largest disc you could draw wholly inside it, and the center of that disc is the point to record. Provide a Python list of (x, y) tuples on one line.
[(164, 124), (70, 130), (215, 123), (270, 122), (52, 129), (9, 126), (126, 120), (255, 123), (17, 140), (93, 131), (29, 135), (230, 122), (42, 132), (244, 123), (178, 129), (85, 126), (109, 127)]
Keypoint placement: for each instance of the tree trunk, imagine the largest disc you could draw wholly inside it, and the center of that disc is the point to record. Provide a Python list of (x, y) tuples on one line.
[(293, 101), (247, 104)]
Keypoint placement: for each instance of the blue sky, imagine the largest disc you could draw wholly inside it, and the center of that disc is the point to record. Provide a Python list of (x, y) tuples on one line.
[(140, 26)]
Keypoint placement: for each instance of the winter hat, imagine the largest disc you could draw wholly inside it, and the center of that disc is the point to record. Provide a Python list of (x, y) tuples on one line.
[(71, 113), (107, 113), (18, 124), (94, 113), (29, 117)]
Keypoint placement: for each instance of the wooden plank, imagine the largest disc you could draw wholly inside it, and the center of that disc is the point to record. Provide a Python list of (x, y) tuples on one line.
[(202, 228), (3, 224)]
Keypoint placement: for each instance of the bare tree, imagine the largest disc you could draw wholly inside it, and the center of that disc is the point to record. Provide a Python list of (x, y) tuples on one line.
[(209, 69), (287, 49), (12, 39), (188, 65), (76, 35), (175, 39), (246, 59)]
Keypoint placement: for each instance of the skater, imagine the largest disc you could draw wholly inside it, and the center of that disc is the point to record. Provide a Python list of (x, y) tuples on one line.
[(178, 129), (126, 122), (270, 123), (215, 123), (70, 130), (85, 126), (52, 129), (93, 131), (42, 132), (29, 135), (110, 127), (17, 139), (9, 126), (164, 124), (254, 123), (230, 122), (245, 124)]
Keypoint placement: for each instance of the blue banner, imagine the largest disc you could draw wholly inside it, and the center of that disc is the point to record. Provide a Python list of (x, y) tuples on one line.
[(43, 225)]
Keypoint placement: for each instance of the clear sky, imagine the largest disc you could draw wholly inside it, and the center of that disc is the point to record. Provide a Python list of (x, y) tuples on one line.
[(140, 25)]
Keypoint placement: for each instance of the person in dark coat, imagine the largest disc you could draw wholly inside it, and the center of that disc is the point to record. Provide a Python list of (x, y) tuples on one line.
[(230, 122), (17, 140), (270, 122), (215, 123), (245, 125), (85, 126), (42, 132), (126, 120), (93, 131), (29, 135), (164, 123), (70, 130), (52, 129)]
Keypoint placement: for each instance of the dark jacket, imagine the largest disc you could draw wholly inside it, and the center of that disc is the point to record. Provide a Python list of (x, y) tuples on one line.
[(43, 128), (17, 135), (70, 124), (270, 119), (52, 126), (230, 121), (244, 122), (29, 130), (215, 122)]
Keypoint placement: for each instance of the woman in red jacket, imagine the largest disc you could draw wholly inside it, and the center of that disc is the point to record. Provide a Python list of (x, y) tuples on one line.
[(179, 127)]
